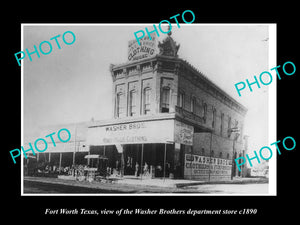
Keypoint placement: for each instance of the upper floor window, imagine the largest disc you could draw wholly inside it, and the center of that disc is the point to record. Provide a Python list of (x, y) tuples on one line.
[(213, 118), (146, 100), (120, 105), (221, 125), (220, 155), (193, 104), (132, 102), (204, 111), (229, 126), (181, 99), (165, 100)]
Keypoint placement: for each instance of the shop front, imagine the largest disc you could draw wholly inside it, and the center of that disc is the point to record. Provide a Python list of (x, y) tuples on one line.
[(147, 148)]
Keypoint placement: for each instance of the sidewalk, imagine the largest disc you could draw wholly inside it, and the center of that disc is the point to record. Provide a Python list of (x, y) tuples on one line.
[(175, 183), (133, 184), (157, 182)]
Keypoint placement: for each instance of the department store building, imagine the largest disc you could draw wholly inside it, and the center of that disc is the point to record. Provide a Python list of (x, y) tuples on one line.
[(169, 116)]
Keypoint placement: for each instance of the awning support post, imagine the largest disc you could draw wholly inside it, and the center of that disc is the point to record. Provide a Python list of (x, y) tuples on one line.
[(165, 155), (142, 160)]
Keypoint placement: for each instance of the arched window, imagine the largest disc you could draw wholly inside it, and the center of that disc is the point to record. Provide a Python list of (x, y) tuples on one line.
[(120, 105), (165, 100), (146, 100), (132, 102)]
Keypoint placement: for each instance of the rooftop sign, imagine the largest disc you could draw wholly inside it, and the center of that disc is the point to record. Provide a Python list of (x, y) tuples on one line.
[(147, 48)]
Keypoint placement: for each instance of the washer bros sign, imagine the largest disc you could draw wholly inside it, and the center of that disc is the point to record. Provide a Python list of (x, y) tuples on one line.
[(201, 167), (160, 131), (147, 48)]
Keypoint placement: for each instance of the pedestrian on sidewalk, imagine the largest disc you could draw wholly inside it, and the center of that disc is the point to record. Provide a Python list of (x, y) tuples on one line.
[(136, 169)]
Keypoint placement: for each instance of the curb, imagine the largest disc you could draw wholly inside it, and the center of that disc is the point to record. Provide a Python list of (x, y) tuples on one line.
[(250, 181)]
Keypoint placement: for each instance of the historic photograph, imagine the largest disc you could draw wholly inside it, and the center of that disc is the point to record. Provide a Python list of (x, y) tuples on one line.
[(107, 113)]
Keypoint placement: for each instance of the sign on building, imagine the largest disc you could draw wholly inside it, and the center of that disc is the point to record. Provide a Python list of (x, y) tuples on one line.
[(183, 133), (200, 167), (160, 131), (147, 48)]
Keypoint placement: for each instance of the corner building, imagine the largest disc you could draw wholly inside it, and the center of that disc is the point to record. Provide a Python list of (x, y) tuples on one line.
[(171, 117)]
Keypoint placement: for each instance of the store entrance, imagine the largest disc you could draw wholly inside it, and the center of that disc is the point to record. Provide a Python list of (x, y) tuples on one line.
[(148, 160)]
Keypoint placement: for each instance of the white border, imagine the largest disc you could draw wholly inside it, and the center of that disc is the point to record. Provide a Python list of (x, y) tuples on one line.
[(22, 111), (272, 109)]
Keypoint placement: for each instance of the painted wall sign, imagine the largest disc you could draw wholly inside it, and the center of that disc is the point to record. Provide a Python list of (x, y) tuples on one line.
[(198, 166), (183, 133)]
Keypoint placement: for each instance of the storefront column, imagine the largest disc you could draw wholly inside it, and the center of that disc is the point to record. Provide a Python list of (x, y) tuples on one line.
[(165, 155), (177, 161), (191, 150), (122, 164), (60, 156), (74, 158), (142, 155)]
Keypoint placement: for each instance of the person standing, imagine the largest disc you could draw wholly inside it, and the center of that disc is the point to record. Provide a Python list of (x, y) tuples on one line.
[(136, 169)]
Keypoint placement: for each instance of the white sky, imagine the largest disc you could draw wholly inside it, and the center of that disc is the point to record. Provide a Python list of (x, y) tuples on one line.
[(73, 84)]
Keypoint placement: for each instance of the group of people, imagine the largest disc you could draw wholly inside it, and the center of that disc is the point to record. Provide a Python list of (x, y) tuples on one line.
[(135, 169), (131, 167), (145, 170)]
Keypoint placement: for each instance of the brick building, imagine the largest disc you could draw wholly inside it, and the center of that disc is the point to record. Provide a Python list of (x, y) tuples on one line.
[(169, 116)]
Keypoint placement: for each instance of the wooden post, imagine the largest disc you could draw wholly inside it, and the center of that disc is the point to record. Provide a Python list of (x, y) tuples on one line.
[(122, 164), (165, 155), (191, 166), (142, 155), (60, 156), (74, 145)]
